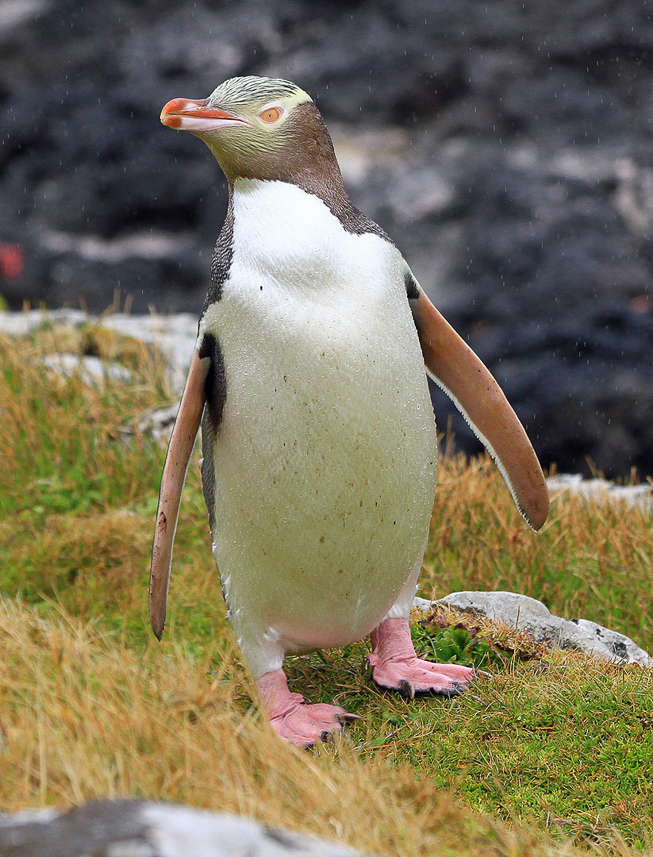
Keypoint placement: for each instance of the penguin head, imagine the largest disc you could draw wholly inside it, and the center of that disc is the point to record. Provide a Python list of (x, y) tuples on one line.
[(257, 127)]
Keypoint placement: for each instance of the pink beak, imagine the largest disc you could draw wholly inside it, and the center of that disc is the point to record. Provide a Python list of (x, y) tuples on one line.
[(189, 114)]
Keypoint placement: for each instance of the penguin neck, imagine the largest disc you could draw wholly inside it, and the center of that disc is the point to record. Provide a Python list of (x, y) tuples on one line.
[(326, 184), (306, 159), (286, 236), (272, 217)]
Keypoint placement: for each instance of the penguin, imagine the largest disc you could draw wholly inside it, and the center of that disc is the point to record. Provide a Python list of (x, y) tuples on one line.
[(319, 443)]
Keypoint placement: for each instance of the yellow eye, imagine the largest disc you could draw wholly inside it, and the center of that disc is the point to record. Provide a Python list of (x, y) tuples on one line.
[(270, 114)]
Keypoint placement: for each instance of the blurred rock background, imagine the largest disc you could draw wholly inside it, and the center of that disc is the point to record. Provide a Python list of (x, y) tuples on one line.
[(505, 146)]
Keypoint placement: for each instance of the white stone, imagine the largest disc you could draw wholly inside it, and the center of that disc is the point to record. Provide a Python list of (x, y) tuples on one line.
[(28, 816), (90, 368), (22, 323), (159, 421), (174, 335), (181, 832), (130, 828), (602, 491), (528, 614)]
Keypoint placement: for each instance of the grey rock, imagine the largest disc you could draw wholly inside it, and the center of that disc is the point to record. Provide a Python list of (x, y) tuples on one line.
[(22, 323), (130, 828), (528, 614), (91, 369), (159, 422), (504, 147), (16, 12), (173, 335), (602, 491)]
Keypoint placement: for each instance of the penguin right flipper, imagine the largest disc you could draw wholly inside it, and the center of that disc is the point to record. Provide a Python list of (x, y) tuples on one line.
[(180, 448), (466, 380)]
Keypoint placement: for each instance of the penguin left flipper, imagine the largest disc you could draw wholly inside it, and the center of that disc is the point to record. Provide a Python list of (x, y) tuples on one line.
[(180, 448), (395, 665), (453, 365), (295, 720)]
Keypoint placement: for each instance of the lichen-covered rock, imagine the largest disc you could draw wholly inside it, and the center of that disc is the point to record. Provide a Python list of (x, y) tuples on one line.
[(528, 614)]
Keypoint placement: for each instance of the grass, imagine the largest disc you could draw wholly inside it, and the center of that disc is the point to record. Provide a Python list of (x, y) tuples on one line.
[(555, 753)]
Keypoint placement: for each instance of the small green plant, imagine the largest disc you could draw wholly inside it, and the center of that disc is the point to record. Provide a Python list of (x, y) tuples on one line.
[(455, 645)]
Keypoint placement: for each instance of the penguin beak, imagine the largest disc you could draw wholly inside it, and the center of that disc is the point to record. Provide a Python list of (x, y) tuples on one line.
[(198, 115)]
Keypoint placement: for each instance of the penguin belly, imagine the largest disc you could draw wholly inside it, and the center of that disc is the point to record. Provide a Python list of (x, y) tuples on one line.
[(324, 463)]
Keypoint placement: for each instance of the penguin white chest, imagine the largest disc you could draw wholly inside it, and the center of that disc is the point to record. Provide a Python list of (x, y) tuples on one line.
[(324, 461)]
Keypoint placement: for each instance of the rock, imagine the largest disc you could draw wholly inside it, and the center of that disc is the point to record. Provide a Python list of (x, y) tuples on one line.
[(173, 335), (92, 369), (159, 422), (23, 323), (528, 614), (505, 148), (131, 828), (602, 491)]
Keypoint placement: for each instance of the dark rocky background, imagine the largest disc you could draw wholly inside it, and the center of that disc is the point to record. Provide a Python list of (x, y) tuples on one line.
[(505, 146)]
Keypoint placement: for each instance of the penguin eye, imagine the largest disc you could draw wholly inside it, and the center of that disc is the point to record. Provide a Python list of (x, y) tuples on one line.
[(270, 114)]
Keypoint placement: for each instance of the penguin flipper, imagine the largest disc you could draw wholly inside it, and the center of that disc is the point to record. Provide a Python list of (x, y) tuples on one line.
[(455, 368), (180, 448)]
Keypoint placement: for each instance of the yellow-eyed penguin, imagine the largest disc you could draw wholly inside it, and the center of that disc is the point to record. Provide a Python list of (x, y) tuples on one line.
[(318, 437)]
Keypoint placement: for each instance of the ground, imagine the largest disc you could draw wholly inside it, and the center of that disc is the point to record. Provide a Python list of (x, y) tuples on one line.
[(552, 752)]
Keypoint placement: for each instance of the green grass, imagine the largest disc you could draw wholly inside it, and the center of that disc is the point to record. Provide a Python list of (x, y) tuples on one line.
[(557, 747)]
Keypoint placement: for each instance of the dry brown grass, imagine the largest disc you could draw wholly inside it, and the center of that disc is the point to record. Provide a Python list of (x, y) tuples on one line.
[(589, 560), (87, 711), (83, 717), (97, 557)]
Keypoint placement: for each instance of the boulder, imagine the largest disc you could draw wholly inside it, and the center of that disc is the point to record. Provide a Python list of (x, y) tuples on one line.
[(131, 828), (528, 614), (505, 147)]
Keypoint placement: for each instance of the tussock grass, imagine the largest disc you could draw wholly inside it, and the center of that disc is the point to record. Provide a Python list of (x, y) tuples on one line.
[(84, 716), (555, 753), (62, 444), (592, 561)]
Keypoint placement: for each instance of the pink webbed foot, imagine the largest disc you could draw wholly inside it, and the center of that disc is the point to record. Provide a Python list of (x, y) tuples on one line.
[(397, 667), (295, 720)]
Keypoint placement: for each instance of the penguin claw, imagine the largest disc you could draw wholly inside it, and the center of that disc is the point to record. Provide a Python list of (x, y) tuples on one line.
[(347, 717), (407, 689), (449, 692), (482, 673)]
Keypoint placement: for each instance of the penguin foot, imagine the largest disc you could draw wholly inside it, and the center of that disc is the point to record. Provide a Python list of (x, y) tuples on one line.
[(293, 719), (395, 665)]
